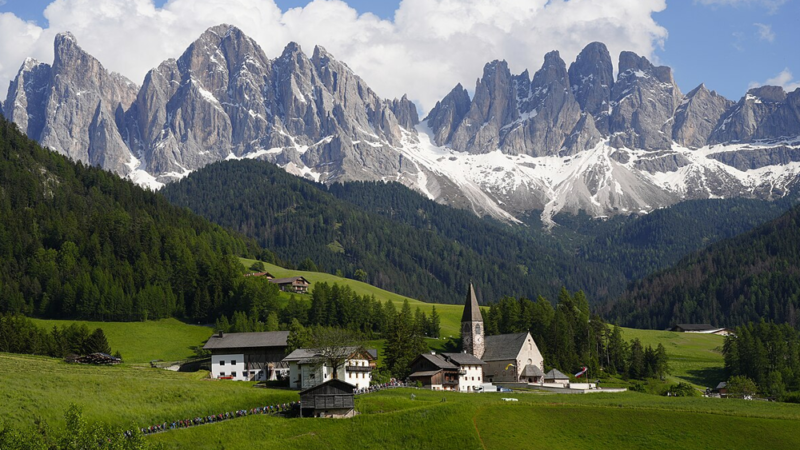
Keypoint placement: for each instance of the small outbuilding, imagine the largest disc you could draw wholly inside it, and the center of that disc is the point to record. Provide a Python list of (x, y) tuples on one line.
[(333, 399), (555, 376), (532, 374)]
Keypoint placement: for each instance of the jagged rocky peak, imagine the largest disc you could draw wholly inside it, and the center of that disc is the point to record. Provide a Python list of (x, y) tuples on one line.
[(444, 118), (697, 116), (406, 112), (75, 106), (591, 77), (644, 100), (26, 97), (765, 112), (493, 104)]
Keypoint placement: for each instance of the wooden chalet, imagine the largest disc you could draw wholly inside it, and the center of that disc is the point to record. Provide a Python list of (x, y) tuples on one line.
[(295, 285), (333, 399), (434, 372), (266, 275)]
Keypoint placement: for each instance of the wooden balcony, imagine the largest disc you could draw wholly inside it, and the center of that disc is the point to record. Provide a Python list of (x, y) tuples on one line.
[(358, 368)]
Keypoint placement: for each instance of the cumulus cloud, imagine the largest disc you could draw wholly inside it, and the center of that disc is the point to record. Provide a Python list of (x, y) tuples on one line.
[(765, 32), (785, 79), (428, 46)]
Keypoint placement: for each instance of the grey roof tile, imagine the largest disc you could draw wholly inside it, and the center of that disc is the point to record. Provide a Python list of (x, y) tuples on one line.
[(247, 340)]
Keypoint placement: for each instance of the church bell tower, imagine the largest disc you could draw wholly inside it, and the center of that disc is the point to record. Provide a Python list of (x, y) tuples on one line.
[(472, 326)]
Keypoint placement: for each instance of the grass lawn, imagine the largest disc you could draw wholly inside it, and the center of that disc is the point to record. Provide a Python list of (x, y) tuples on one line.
[(693, 357), (141, 342), (117, 395), (392, 420), (450, 314)]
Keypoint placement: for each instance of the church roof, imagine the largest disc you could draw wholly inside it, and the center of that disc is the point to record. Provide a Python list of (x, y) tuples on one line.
[(472, 312), (503, 346)]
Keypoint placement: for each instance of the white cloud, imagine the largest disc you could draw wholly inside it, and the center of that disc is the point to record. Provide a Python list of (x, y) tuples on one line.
[(785, 79), (765, 32), (428, 47)]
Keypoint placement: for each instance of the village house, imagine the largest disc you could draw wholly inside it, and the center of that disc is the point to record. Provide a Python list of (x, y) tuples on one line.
[(247, 356), (333, 398), (295, 285), (307, 368), (507, 356), (448, 371)]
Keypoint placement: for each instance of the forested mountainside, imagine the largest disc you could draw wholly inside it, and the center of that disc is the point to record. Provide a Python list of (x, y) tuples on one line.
[(660, 239), (79, 242), (411, 245), (750, 277), (419, 248)]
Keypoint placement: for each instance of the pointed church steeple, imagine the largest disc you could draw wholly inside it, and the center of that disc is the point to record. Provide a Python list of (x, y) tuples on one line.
[(472, 312), (472, 325)]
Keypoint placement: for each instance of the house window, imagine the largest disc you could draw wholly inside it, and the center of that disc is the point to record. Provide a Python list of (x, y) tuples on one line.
[(479, 378), (233, 362), (222, 374), (222, 363), (233, 374)]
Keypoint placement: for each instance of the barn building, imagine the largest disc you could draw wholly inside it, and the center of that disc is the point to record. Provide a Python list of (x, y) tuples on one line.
[(248, 356), (333, 398)]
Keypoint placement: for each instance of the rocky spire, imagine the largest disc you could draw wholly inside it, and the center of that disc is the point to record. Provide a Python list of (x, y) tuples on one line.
[(591, 78)]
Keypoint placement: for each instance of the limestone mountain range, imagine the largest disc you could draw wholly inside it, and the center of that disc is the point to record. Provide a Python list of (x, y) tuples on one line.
[(565, 139)]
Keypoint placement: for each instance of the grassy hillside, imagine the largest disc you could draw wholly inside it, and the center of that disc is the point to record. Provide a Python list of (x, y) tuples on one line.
[(450, 314), (120, 395), (137, 396), (141, 342), (392, 420), (696, 358)]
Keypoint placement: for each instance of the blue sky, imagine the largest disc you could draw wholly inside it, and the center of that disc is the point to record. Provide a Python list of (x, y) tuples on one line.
[(727, 44)]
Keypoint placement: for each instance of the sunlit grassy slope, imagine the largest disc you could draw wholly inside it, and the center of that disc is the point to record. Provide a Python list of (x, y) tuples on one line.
[(140, 342), (393, 420), (696, 358)]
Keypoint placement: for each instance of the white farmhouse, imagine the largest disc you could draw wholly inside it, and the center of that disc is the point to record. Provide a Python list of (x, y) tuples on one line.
[(307, 369), (247, 356)]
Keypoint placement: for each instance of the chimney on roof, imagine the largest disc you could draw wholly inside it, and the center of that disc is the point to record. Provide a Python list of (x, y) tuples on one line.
[(221, 334)]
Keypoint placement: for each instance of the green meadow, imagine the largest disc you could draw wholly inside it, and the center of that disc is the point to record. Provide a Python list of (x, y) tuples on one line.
[(693, 357), (121, 395), (136, 396), (141, 342), (393, 420)]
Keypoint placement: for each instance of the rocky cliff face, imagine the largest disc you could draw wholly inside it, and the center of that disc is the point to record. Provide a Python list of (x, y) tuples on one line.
[(223, 98), (563, 140), (75, 107)]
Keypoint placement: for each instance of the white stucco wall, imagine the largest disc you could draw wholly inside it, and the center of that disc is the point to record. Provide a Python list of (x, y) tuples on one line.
[(473, 378), (309, 377), (228, 365)]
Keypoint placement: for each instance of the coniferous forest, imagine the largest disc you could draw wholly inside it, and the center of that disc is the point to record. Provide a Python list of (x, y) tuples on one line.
[(408, 244), (79, 242), (750, 277)]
